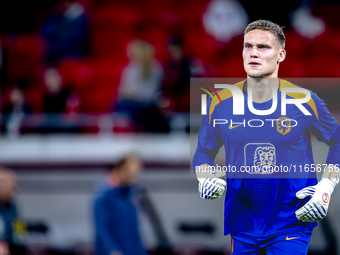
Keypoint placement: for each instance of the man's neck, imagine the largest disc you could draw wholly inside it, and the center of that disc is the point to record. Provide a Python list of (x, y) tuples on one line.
[(262, 88)]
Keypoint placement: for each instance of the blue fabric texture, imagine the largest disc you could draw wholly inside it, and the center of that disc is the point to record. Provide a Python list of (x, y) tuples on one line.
[(257, 203), (116, 222)]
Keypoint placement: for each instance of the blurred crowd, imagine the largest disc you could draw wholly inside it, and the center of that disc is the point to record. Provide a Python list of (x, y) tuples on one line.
[(66, 63), (134, 60)]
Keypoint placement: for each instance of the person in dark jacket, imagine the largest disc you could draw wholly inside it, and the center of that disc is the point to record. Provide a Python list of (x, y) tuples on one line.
[(116, 226), (12, 228), (56, 94), (66, 31)]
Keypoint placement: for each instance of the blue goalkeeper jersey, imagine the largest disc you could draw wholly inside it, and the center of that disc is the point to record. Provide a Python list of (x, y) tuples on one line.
[(269, 157)]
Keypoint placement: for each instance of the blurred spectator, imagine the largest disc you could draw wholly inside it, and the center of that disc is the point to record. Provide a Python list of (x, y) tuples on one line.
[(225, 19), (178, 71), (306, 24), (61, 105), (55, 101), (15, 111), (66, 31), (138, 94), (115, 214), (12, 228)]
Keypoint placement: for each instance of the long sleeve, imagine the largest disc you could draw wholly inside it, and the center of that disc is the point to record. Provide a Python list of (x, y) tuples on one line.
[(209, 142), (326, 129), (334, 149), (105, 228)]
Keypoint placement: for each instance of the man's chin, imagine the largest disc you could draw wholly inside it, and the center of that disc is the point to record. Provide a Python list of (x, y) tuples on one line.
[(255, 76)]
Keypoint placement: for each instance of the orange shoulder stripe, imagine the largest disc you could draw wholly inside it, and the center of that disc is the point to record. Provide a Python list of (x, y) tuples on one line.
[(297, 95), (224, 94)]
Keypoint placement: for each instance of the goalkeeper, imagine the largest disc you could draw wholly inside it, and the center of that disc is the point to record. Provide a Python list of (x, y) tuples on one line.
[(267, 212)]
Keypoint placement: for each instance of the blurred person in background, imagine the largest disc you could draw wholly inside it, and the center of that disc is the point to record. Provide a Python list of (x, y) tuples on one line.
[(66, 31), (138, 95), (56, 97), (12, 229), (115, 214), (305, 23), (178, 71), (15, 111), (225, 19), (60, 103)]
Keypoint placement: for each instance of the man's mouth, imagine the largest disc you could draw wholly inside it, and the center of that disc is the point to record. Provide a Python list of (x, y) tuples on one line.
[(254, 63)]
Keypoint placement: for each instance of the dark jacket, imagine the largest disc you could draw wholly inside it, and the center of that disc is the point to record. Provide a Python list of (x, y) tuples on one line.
[(116, 223)]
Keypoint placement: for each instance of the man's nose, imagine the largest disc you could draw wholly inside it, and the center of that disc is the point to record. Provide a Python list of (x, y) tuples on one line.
[(254, 53)]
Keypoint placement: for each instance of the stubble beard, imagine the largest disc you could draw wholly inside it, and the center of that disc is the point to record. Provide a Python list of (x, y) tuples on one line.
[(255, 76)]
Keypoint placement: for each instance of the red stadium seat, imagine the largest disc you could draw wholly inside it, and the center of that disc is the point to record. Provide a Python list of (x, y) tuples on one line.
[(35, 98), (110, 43), (232, 68), (324, 58), (168, 20), (293, 67), (159, 39), (116, 16), (327, 44), (24, 56), (99, 98), (191, 14), (77, 73), (199, 44), (324, 66), (100, 95), (297, 46)]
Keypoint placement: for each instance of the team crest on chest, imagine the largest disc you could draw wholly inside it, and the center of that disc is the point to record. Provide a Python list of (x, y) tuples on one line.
[(260, 157), (283, 125)]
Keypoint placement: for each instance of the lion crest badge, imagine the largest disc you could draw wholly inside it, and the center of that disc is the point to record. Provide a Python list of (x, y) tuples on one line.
[(283, 125), (261, 157)]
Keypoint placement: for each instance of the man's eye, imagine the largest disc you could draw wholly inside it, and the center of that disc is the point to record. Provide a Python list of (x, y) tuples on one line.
[(263, 47), (247, 46)]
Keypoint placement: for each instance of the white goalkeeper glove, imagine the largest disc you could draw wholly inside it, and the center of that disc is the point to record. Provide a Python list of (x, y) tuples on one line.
[(316, 208), (210, 185)]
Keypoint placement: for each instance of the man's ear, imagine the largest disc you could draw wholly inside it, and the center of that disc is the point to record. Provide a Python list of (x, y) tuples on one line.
[(282, 56)]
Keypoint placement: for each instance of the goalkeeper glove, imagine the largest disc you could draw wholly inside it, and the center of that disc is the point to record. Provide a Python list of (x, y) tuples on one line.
[(211, 186), (316, 208)]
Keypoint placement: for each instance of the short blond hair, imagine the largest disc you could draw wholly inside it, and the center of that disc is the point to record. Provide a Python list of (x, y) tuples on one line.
[(267, 25)]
